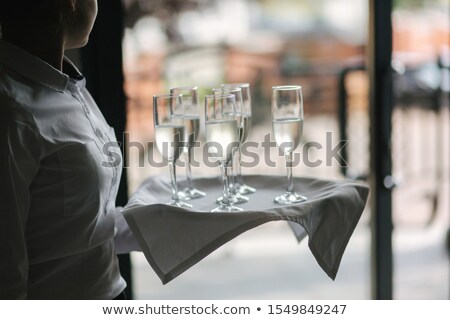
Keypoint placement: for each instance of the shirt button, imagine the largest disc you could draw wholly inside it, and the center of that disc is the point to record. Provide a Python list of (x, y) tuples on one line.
[(99, 133)]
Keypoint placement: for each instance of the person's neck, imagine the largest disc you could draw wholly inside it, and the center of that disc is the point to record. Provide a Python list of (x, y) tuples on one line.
[(47, 49)]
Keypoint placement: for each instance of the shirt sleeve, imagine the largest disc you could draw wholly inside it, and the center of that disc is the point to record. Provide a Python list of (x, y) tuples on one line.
[(20, 146), (124, 239)]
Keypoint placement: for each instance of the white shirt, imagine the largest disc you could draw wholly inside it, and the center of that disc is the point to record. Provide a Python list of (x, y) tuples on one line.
[(57, 197)]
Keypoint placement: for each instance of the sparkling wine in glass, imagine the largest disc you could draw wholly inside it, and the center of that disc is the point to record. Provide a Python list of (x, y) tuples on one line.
[(169, 136), (245, 127), (234, 196), (222, 137), (191, 131), (287, 125)]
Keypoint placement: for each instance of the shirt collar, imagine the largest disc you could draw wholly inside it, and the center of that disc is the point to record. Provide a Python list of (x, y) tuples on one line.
[(37, 70), (72, 71)]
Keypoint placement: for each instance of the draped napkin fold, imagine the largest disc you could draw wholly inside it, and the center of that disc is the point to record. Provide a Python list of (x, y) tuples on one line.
[(174, 239)]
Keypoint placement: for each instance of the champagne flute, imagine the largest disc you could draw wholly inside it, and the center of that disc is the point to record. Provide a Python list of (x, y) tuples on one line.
[(287, 124), (240, 185), (169, 131), (191, 131), (235, 196), (221, 135)]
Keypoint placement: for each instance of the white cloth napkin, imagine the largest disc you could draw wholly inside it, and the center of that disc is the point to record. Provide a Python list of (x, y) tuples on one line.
[(174, 239)]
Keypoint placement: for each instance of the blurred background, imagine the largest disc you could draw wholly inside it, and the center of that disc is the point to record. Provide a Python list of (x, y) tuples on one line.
[(321, 45)]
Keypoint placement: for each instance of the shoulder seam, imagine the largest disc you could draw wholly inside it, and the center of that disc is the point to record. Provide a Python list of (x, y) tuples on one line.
[(34, 126)]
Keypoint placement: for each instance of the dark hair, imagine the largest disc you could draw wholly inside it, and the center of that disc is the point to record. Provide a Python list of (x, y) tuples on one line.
[(25, 14), (11, 10)]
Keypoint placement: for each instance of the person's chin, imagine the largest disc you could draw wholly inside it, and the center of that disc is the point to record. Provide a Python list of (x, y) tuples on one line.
[(84, 42), (78, 44)]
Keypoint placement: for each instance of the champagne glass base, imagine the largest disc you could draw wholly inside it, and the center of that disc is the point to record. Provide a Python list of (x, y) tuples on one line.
[(234, 199), (190, 193), (289, 198), (245, 189), (226, 208), (179, 204)]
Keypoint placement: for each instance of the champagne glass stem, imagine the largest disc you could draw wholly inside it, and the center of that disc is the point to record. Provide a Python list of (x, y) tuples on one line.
[(290, 185), (239, 179), (231, 178), (240, 186), (225, 196), (189, 183), (173, 180)]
